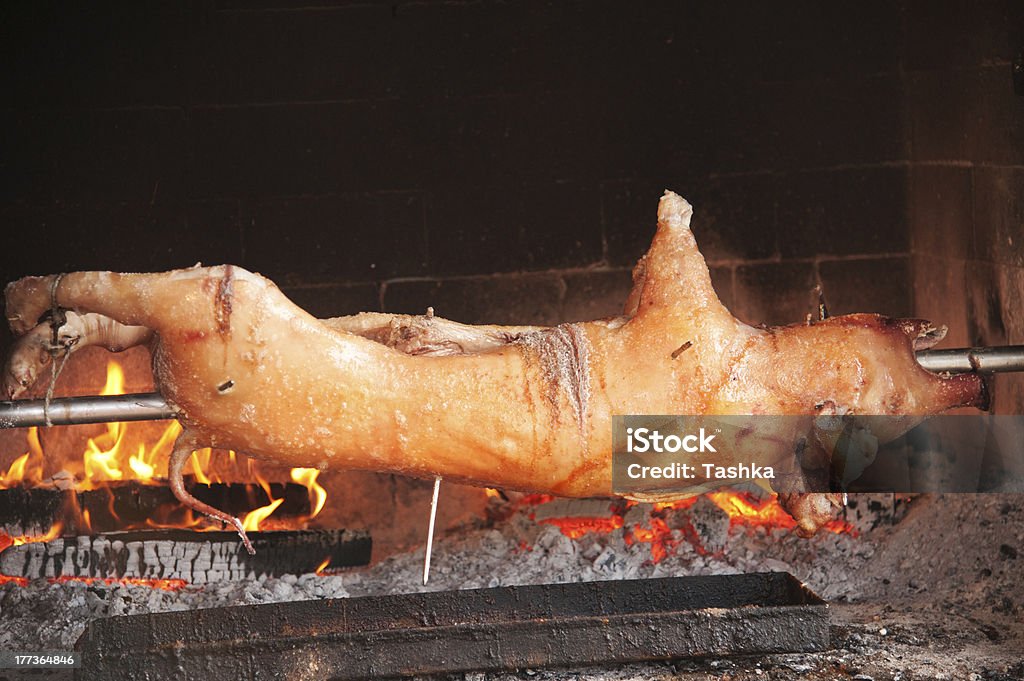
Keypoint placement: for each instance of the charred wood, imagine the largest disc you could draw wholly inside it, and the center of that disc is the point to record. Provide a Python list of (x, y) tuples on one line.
[(117, 505), (196, 557)]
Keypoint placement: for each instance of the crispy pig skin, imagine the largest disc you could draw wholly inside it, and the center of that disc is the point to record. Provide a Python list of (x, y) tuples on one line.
[(523, 408)]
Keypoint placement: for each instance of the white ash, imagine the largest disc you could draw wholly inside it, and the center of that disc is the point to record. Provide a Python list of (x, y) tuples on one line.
[(45, 616), (935, 596)]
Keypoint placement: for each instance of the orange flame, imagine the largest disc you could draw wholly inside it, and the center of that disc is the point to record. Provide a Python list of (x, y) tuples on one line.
[(120, 453), (744, 509), (201, 460), (109, 456), (16, 473), (143, 469), (317, 494), (52, 534), (101, 452), (190, 521), (253, 518), (106, 457), (20, 472)]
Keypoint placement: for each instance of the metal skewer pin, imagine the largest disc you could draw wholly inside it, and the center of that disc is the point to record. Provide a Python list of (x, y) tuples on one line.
[(430, 530)]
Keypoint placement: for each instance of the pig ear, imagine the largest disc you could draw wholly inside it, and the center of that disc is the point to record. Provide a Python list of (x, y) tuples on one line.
[(922, 332)]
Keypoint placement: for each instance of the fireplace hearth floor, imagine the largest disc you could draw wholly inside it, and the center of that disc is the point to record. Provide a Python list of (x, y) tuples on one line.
[(936, 596)]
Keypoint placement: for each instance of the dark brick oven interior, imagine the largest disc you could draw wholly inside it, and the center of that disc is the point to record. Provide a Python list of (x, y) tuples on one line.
[(502, 162)]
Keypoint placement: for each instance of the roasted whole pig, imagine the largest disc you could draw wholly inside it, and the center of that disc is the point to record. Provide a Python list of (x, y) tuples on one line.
[(524, 408)]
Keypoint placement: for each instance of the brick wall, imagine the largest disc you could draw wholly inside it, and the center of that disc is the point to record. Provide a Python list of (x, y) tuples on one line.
[(500, 161), (966, 199)]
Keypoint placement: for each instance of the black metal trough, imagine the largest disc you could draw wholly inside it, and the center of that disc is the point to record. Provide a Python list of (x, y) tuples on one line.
[(458, 631)]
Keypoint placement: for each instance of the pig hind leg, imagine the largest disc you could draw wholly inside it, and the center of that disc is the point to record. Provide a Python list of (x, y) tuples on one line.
[(183, 448)]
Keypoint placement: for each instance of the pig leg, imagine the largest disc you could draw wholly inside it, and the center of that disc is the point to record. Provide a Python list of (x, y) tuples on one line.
[(427, 334), (158, 301), (183, 448), (33, 352)]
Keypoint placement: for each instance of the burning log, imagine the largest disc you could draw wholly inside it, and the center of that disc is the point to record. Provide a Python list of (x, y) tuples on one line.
[(30, 511), (121, 505), (196, 557)]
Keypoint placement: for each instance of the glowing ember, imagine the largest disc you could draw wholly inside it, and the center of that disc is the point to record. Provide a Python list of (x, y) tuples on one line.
[(165, 584), (20, 581), (323, 565), (574, 528), (743, 509), (658, 535)]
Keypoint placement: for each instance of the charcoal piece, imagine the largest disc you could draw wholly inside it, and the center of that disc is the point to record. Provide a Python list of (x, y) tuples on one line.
[(710, 524)]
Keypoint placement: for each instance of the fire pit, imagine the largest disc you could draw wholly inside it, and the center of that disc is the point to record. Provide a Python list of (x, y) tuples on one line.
[(883, 582)]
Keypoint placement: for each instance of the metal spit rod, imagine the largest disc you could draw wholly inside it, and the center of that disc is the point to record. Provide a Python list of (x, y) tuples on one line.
[(69, 411), (981, 360)]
